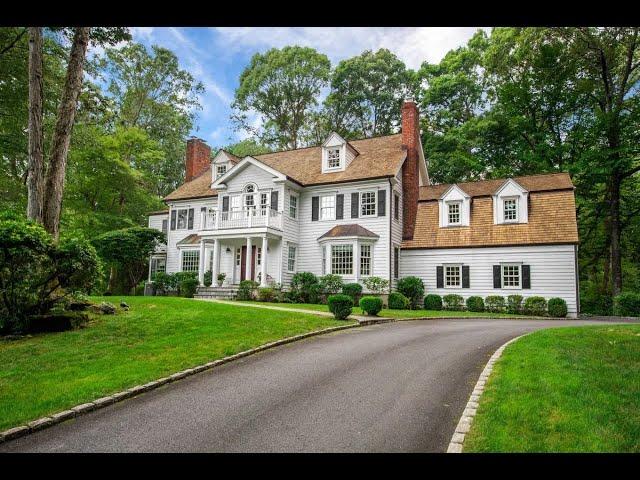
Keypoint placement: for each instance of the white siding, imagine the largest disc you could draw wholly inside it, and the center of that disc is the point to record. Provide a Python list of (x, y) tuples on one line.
[(552, 270), (396, 225)]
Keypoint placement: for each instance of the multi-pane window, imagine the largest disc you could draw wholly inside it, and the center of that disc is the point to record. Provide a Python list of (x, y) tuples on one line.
[(396, 206), (264, 203), (238, 256), (291, 258), (396, 262), (220, 170), (293, 206), (510, 210), (454, 212), (235, 202), (190, 260), (324, 260), (164, 226), (182, 218), (510, 276), (452, 276), (368, 204), (365, 259), (158, 265), (333, 158), (328, 207), (342, 259), (259, 256)]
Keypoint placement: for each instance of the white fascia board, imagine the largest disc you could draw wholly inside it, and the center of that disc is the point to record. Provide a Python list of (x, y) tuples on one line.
[(244, 163)]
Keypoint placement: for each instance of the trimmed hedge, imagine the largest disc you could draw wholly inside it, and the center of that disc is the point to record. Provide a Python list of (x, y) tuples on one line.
[(494, 304), (433, 302), (475, 304), (453, 302), (398, 301), (413, 289), (557, 307), (340, 305), (535, 306), (514, 304), (627, 305), (371, 305), (354, 290)]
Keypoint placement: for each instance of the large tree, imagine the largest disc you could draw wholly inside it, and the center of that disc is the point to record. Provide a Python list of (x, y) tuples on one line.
[(281, 86), (150, 91)]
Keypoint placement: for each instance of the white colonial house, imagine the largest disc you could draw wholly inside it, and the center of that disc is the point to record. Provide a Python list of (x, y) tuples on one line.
[(367, 208)]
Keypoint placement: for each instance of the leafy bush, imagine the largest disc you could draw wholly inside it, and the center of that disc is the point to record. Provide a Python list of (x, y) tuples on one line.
[(36, 274), (535, 306), (305, 288), (340, 305), (371, 305), (413, 289), (208, 278), (246, 289), (494, 303), (165, 282), (514, 304), (475, 304), (627, 305), (188, 287), (433, 302), (330, 284), (557, 307), (57, 322), (453, 302), (266, 294), (596, 303), (221, 277), (376, 284), (354, 290), (398, 301)]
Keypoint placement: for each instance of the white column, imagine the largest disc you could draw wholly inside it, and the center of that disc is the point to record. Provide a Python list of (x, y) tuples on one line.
[(203, 214), (356, 261), (216, 262), (263, 264), (247, 262), (201, 264)]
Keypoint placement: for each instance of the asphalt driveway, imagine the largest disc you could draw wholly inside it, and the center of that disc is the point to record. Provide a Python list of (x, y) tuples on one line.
[(398, 387)]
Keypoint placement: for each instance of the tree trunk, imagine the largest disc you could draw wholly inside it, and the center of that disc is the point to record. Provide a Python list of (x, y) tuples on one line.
[(614, 219), (62, 132), (35, 170)]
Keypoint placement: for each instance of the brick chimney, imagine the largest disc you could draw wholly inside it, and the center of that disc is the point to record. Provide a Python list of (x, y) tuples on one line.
[(410, 170), (198, 158)]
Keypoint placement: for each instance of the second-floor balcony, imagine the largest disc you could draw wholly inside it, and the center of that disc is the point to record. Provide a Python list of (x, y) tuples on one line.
[(244, 218)]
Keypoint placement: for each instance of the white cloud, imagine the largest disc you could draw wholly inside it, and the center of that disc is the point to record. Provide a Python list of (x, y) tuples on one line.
[(142, 33), (412, 44)]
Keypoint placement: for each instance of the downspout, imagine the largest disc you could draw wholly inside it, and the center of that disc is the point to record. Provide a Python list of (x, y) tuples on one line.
[(575, 259), (391, 213)]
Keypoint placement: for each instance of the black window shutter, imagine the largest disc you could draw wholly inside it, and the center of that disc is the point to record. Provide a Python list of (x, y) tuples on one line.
[(439, 276), (355, 204), (497, 278), (339, 206), (526, 276), (396, 206), (173, 219), (315, 207), (225, 204), (190, 220), (465, 276), (274, 200), (164, 227), (382, 203)]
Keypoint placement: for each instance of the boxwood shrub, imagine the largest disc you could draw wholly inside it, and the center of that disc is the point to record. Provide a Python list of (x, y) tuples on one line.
[(514, 304), (627, 305), (453, 302), (535, 306), (494, 303), (354, 290), (371, 305), (475, 304), (557, 307), (340, 305), (433, 302), (413, 289), (398, 301)]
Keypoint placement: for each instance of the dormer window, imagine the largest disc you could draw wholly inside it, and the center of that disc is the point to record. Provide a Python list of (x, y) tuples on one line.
[(453, 213), (511, 210), (220, 170), (333, 158), (510, 203)]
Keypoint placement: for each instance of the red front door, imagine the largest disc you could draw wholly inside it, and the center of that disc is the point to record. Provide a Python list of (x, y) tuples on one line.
[(243, 263)]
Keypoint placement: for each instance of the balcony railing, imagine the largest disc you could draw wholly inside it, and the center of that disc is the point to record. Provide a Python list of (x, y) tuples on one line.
[(245, 218)]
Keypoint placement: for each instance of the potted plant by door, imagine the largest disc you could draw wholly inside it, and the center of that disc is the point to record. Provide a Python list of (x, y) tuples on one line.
[(221, 277)]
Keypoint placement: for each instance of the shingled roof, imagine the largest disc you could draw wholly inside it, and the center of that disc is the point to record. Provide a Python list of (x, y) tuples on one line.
[(377, 157), (351, 230)]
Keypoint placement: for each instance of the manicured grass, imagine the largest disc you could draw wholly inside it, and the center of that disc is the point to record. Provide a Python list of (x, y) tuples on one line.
[(563, 390), (157, 337), (400, 314)]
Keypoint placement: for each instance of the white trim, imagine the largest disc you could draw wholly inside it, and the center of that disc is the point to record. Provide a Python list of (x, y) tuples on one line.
[(375, 203), (511, 264), (244, 163)]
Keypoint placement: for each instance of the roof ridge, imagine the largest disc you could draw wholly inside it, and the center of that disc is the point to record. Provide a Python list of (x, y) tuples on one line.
[(496, 179)]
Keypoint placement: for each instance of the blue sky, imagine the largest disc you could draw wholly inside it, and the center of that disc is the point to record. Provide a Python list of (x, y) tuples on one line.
[(217, 56)]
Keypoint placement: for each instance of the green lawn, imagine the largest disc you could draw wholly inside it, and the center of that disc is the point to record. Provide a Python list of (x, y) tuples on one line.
[(157, 337), (400, 314), (563, 390)]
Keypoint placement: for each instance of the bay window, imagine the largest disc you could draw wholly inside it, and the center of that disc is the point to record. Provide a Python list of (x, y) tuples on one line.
[(365, 260), (342, 259), (190, 260)]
